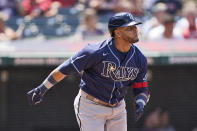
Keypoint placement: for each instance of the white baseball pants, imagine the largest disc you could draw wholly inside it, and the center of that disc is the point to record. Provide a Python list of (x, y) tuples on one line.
[(92, 116)]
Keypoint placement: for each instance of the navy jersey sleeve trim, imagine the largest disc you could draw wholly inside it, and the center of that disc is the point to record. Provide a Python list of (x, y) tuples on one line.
[(72, 62), (67, 68), (82, 60)]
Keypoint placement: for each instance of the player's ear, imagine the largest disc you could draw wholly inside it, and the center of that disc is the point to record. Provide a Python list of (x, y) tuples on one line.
[(117, 33)]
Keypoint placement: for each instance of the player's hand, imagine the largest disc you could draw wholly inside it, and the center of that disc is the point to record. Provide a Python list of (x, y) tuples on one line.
[(139, 110), (35, 96)]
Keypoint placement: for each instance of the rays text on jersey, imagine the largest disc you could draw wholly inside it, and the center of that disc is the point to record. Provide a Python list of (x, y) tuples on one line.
[(120, 73)]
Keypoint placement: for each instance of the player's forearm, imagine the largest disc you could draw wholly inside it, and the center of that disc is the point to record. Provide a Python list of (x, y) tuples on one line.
[(54, 77), (57, 75), (141, 92)]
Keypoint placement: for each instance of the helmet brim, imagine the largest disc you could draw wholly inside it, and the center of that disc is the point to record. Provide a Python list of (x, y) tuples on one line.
[(131, 23)]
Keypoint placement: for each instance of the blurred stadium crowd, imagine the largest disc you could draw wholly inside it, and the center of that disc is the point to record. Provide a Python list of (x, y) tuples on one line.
[(162, 19)]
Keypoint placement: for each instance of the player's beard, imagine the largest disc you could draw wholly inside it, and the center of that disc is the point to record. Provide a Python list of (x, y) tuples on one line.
[(133, 40)]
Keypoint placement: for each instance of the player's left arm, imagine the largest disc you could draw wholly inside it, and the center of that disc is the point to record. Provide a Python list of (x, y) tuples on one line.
[(73, 65), (35, 96), (141, 90)]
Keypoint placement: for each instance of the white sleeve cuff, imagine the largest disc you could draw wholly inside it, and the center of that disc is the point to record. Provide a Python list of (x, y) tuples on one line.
[(142, 101), (47, 84)]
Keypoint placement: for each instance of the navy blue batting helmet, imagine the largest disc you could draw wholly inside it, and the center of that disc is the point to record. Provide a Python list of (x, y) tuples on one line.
[(122, 19)]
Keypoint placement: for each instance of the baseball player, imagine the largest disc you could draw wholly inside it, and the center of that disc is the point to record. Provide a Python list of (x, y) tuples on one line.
[(109, 68)]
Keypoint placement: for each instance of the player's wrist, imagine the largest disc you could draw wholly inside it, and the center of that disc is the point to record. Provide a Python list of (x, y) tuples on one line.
[(141, 101), (141, 98), (49, 82), (43, 89)]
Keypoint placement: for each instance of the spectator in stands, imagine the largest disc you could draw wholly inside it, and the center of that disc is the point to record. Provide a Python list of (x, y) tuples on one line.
[(152, 121), (82, 4), (138, 9), (148, 5), (90, 27), (6, 33), (174, 6), (164, 121), (11, 7), (109, 7), (125, 6), (194, 129), (188, 24), (104, 6), (158, 120), (159, 11), (113, 6), (66, 3), (36, 8), (165, 31)]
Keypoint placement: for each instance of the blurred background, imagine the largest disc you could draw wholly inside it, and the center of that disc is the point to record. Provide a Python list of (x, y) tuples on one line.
[(38, 35)]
